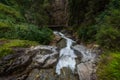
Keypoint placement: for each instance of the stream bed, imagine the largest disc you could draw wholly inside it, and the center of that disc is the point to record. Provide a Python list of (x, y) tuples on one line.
[(69, 62)]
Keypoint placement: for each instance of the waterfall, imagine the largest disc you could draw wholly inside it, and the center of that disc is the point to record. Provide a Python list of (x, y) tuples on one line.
[(86, 67), (67, 56)]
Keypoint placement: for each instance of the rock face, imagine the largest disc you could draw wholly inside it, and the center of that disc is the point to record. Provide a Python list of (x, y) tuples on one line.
[(23, 65), (59, 12), (86, 69)]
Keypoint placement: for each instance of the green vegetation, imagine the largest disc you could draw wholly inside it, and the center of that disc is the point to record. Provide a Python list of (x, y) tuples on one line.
[(87, 33), (19, 43), (108, 37), (9, 11), (15, 25), (109, 32), (102, 28), (8, 45), (109, 66), (23, 24), (29, 32), (98, 21)]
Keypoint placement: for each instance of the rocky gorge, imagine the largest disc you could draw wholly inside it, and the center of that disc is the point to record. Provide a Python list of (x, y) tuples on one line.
[(59, 40), (64, 60)]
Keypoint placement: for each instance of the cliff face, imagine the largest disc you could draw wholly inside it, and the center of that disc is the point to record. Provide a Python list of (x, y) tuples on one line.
[(59, 12)]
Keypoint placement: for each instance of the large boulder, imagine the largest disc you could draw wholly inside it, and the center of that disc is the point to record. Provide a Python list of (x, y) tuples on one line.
[(86, 68), (21, 64)]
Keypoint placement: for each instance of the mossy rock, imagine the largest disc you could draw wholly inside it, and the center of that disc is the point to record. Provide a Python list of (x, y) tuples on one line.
[(6, 46)]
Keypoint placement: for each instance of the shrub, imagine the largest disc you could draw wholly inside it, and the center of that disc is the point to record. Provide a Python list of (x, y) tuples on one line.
[(30, 32), (108, 37), (109, 66), (88, 33), (109, 34), (4, 27), (12, 26), (9, 11)]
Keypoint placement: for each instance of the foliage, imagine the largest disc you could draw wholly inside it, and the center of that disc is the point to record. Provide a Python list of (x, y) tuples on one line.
[(34, 11), (30, 11), (14, 24), (9, 11), (4, 25), (29, 32), (87, 34), (106, 28), (109, 66), (108, 35)]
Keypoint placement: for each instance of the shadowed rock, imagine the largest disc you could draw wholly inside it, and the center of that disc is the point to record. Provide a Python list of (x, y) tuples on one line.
[(19, 66)]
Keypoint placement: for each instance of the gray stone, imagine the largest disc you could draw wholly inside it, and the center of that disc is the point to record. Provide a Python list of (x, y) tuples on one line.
[(61, 44), (34, 74)]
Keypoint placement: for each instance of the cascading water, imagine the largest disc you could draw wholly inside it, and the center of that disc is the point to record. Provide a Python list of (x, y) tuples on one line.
[(67, 56), (87, 68)]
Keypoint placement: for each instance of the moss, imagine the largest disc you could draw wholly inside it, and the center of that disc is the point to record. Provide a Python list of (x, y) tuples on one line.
[(5, 51), (20, 43), (6, 47), (109, 66)]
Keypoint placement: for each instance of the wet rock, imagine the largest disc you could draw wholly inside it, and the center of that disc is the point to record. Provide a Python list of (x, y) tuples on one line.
[(7, 63), (18, 66), (67, 74), (56, 39), (42, 74), (49, 74), (20, 77), (50, 63), (84, 71), (79, 56), (61, 44), (34, 74), (45, 60), (20, 62)]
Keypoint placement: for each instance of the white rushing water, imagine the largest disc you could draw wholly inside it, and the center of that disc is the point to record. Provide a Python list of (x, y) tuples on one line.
[(67, 59), (67, 56)]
